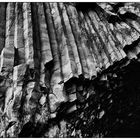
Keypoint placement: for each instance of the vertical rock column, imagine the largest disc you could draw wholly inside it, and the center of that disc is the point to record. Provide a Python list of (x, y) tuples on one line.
[(111, 36), (7, 64), (7, 56), (46, 53), (2, 44), (105, 51), (19, 35), (90, 55), (28, 35), (94, 46), (57, 96), (45, 58), (73, 52), (32, 94), (73, 18), (65, 61), (2, 25), (18, 73)]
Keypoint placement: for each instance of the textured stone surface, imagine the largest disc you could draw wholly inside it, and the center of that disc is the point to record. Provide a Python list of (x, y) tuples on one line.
[(58, 59)]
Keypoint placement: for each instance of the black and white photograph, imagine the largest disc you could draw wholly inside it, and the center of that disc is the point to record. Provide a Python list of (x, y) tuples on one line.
[(69, 69)]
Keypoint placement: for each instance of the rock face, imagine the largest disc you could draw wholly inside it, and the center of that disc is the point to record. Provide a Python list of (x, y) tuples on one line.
[(64, 69)]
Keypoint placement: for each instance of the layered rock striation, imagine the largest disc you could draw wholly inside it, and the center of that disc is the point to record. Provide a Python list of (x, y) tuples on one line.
[(50, 52)]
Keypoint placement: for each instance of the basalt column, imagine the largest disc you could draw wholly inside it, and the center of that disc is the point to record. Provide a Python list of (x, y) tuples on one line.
[(65, 69)]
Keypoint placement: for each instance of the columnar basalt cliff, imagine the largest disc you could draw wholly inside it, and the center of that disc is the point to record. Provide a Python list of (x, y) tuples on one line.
[(69, 69)]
